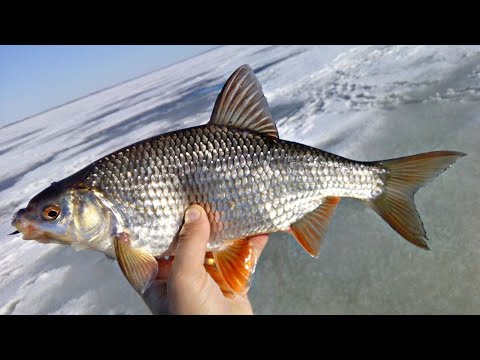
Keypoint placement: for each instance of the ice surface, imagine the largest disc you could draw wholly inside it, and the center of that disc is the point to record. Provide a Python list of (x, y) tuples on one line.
[(362, 102)]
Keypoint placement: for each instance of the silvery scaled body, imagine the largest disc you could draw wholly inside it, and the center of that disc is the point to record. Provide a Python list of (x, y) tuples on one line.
[(247, 182)]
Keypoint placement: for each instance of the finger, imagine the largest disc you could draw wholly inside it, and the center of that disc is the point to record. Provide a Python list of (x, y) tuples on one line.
[(155, 297), (164, 268), (259, 242), (192, 242)]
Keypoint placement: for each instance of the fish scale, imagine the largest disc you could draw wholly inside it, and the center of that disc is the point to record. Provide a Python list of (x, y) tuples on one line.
[(256, 184)]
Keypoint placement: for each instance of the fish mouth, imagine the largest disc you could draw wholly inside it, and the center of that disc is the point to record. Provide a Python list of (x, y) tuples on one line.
[(29, 231), (17, 223)]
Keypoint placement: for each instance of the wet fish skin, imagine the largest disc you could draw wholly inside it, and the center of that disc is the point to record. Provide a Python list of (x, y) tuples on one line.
[(249, 183)]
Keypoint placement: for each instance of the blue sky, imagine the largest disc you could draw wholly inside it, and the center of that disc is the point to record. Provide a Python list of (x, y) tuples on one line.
[(34, 78)]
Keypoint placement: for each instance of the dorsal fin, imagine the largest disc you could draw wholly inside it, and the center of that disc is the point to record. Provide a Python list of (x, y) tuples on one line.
[(241, 104)]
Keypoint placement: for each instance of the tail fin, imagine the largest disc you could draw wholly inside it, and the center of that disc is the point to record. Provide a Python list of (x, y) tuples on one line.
[(404, 177)]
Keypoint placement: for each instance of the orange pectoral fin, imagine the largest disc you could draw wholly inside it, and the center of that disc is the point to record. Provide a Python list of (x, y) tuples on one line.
[(139, 267), (232, 267), (310, 230)]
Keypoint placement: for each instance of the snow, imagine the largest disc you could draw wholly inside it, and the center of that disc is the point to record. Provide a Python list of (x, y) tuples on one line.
[(362, 102)]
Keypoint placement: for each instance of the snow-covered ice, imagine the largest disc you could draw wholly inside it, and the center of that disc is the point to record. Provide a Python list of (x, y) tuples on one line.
[(362, 102)]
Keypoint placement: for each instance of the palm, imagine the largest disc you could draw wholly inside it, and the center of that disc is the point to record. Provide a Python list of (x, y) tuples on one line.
[(200, 291)]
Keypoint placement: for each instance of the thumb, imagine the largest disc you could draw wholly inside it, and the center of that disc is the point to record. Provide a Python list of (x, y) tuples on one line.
[(192, 242)]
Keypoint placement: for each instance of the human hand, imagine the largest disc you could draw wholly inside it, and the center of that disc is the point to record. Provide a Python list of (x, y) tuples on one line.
[(183, 286)]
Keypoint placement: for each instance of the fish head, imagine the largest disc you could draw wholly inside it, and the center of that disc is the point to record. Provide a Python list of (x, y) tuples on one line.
[(68, 216)]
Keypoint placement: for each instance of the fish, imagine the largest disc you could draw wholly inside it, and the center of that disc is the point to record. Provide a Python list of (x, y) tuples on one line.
[(130, 203)]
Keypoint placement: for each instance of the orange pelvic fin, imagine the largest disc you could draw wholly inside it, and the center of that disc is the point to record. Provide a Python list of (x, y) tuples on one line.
[(211, 267), (232, 267), (310, 229)]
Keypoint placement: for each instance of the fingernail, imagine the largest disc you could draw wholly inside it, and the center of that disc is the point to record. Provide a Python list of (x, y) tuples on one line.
[(192, 214)]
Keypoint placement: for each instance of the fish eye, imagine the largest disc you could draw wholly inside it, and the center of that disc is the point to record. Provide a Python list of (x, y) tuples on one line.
[(51, 212)]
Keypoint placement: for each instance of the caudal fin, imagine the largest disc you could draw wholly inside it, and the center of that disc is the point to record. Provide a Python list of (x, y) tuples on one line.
[(404, 177)]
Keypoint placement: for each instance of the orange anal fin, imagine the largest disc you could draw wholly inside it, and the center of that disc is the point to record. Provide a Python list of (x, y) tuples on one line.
[(310, 229), (139, 267), (233, 266)]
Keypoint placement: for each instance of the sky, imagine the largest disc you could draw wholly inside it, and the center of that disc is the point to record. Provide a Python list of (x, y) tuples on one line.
[(35, 78)]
